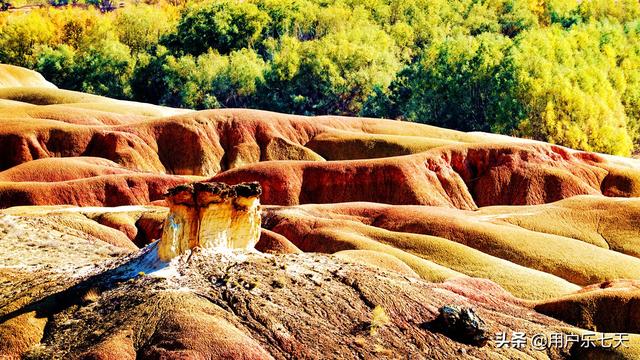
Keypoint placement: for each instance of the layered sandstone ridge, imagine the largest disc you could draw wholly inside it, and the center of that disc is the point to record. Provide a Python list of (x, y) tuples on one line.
[(370, 160), (211, 215)]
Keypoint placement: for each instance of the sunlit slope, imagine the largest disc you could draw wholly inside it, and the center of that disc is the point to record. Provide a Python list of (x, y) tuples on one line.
[(531, 262), (83, 181), (609, 223), (15, 76), (434, 243), (609, 307), (65, 100)]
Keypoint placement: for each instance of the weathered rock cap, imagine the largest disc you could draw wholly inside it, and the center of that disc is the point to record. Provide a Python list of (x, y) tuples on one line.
[(215, 188), (192, 193), (212, 192), (182, 194), (248, 189)]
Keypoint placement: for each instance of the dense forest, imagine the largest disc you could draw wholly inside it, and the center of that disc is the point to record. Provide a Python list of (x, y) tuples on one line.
[(563, 71)]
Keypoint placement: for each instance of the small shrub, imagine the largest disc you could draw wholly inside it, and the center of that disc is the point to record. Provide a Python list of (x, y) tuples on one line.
[(379, 318), (278, 283), (92, 295)]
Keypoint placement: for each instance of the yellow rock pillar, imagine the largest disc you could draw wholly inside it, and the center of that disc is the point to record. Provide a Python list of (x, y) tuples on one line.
[(215, 213), (180, 231), (245, 220), (211, 215)]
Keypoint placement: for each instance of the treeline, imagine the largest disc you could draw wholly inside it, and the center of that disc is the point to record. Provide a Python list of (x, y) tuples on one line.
[(563, 71)]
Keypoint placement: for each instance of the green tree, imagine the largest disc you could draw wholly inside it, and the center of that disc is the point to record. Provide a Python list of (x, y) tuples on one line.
[(105, 69), (238, 81), (188, 80), (223, 25), (141, 27), (81, 28), (58, 66), (148, 77), (452, 85), (21, 36), (289, 18), (331, 75), (570, 83)]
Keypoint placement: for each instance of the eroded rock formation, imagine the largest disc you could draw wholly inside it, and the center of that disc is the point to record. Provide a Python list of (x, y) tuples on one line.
[(211, 215)]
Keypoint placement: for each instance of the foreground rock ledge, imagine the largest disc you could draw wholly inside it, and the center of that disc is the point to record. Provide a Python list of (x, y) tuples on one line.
[(212, 304), (246, 305), (211, 215)]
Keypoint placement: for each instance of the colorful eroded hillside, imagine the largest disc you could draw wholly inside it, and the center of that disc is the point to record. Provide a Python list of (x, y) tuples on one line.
[(356, 213)]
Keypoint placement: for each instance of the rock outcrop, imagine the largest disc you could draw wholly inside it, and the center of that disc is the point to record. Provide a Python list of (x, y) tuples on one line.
[(211, 215), (462, 324), (463, 176)]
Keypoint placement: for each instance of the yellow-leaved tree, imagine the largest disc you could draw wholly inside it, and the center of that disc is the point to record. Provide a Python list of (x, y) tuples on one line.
[(569, 88)]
